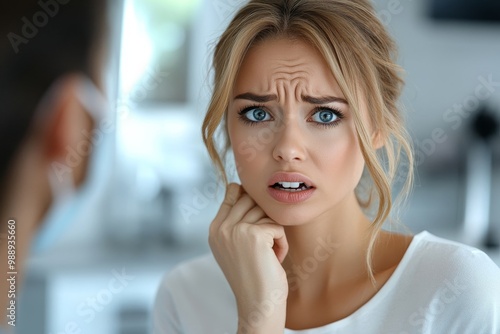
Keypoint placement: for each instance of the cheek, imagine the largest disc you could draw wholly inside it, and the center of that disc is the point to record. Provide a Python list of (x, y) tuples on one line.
[(248, 149), (243, 147), (340, 160)]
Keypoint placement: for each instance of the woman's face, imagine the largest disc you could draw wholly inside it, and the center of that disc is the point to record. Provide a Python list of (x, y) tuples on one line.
[(292, 133)]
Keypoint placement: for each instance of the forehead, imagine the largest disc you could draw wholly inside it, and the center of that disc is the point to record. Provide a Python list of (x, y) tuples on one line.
[(281, 61)]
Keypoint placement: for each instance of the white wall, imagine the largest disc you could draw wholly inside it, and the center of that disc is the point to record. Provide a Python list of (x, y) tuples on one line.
[(443, 63)]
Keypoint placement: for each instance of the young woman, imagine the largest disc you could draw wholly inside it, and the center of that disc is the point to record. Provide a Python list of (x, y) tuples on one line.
[(306, 95)]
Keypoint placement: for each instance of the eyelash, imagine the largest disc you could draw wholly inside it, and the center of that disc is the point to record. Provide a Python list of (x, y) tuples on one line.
[(337, 112), (244, 110)]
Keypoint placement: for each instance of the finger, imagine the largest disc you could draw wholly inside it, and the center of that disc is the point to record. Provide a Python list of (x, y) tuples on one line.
[(280, 247), (277, 232), (254, 215), (266, 220), (233, 192), (240, 209)]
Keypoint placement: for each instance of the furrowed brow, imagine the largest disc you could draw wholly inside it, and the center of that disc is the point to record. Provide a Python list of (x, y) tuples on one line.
[(256, 98), (323, 99)]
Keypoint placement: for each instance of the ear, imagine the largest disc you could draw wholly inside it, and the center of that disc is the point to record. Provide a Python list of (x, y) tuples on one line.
[(66, 128)]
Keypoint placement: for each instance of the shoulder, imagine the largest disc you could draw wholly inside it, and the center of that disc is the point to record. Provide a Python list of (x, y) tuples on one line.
[(193, 290), (455, 281), (201, 276), (451, 257), (194, 271)]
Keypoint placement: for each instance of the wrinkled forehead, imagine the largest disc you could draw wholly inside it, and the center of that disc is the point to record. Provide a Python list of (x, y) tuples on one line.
[(280, 65)]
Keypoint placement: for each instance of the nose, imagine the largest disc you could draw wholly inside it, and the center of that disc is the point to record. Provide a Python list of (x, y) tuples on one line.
[(290, 144)]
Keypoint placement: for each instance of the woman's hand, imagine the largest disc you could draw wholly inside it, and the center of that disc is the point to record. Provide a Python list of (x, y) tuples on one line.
[(249, 247)]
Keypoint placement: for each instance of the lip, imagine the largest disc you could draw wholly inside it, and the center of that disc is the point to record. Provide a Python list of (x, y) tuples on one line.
[(287, 196)]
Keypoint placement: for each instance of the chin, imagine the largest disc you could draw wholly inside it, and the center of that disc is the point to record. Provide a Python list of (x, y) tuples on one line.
[(288, 216)]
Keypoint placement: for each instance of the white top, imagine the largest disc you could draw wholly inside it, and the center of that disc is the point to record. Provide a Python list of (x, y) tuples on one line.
[(440, 286)]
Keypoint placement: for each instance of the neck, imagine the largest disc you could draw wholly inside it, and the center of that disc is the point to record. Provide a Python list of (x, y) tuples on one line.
[(21, 204), (327, 251)]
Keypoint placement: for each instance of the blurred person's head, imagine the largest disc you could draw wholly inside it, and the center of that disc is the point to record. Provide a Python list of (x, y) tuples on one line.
[(51, 59), (51, 56)]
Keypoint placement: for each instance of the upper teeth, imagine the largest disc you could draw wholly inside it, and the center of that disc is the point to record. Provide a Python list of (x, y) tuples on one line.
[(290, 184)]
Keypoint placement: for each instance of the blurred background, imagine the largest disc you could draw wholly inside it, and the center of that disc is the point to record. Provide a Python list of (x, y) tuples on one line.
[(152, 191)]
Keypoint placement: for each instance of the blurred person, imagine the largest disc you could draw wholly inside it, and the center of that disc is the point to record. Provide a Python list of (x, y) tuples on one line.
[(51, 59), (306, 95)]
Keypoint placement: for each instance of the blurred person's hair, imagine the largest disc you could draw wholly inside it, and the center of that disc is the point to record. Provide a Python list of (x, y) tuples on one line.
[(40, 42), (361, 56)]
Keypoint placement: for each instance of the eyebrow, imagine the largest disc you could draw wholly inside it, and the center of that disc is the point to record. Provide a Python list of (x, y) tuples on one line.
[(256, 98), (273, 97)]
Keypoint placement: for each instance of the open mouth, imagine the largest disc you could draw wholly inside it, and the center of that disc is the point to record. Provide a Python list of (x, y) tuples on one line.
[(291, 186)]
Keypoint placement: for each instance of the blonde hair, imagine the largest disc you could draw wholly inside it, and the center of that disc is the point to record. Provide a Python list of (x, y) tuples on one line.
[(361, 55)]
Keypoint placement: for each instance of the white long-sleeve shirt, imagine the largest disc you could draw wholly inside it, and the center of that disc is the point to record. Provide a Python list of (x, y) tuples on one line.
[(440, 286)]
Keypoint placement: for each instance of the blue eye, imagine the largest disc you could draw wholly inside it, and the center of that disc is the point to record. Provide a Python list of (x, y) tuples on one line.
[(254, 115), (327, 117), (324, 116)]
